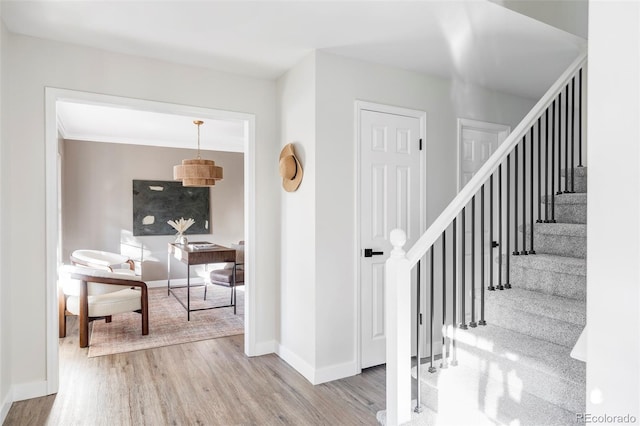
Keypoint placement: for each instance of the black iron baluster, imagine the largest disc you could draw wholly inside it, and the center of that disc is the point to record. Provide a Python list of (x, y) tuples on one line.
[(507, 284), (482, 321), (559, 144), (418, 408), (443, 360), (580, 120), (539, 174), (515, 208), (473, 263), (454, 295), (531, 250), (463, 272), (500, 242), (553, 162), (432, 311), (566, 139), (524, 195), (573, 132), (492, 243), (546, 166)]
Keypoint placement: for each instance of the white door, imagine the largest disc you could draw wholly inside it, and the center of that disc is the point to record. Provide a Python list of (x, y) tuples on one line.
[(477, 141), (389, 198)]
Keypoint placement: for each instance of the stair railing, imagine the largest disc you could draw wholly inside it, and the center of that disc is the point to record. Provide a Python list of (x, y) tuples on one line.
[(547, 138)]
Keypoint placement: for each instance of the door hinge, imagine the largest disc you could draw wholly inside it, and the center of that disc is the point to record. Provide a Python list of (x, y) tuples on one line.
[(420, 145)]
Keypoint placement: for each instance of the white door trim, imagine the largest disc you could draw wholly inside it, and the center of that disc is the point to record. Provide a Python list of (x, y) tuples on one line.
[(480, 125), (422, 116), (52, 95)]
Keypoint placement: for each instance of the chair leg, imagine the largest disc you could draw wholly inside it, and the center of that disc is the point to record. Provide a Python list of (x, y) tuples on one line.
[(107, 319), (233, 294), (83, 317), (205, 291), (62, 317)]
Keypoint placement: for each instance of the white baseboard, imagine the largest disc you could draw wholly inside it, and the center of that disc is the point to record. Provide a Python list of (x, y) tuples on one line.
[(317, 376), (6, 405), (30, 390), (297, 363), (264, 348), (335, 372)]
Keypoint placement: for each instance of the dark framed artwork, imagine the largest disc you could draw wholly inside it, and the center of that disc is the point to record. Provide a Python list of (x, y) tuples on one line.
[(156, 201)]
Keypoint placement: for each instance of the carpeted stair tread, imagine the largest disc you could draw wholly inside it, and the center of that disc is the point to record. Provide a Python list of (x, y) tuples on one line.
[(567, 198), (507, 362), (579, 171), (553, 263), (468, 395), (566, 229), (548, 305)]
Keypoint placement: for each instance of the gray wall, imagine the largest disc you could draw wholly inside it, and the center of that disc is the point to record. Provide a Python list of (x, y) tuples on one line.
[(97, 200)]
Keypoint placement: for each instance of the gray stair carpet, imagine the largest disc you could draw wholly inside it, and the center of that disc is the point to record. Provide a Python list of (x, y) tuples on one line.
[(562, 239), (581, 179), (547, 273), (568, 208)]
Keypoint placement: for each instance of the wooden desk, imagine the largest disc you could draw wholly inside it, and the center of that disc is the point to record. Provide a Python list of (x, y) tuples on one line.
[(202, 256)]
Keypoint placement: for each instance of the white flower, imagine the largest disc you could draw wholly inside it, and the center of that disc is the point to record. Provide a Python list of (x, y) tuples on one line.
[(181, 225)]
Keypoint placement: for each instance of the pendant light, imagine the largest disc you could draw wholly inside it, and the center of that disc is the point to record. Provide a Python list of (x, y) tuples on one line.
[(197, 172)]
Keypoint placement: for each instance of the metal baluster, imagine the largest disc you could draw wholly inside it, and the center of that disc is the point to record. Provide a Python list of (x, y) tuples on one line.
[(482, 321), (443, 361), (515, 208), (580, 120), (573, 132), (553, 162), (546, 166), (559, 144), (524, 195), (539, 174), (463, 273), (454, 296), (491, 241), (500, 242), (473, 263), (531, 250), (418, 408), (507, 284), (566, 139), (432, 312)]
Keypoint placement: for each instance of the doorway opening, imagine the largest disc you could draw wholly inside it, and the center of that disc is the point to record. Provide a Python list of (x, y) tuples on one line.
[(56, 99)]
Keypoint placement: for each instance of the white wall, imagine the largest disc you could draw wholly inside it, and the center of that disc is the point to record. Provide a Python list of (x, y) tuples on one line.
[(32, 65), (297, 109), (5, 301), (322, 266), (613, 210), (97, 207)]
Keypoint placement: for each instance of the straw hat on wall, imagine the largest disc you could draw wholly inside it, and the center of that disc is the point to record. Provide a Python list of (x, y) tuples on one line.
[(290, 169)]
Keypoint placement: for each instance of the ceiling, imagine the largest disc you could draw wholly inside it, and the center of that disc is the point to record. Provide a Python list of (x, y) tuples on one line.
[(473, 41)]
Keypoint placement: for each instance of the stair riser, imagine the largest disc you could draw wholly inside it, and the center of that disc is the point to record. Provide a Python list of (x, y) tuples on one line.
[(569, 213), (556, 283), (541, 327), (560, 245), (580, 185), (490, 381)]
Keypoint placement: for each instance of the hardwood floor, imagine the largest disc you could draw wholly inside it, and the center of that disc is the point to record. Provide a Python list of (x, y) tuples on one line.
[(210, 382)]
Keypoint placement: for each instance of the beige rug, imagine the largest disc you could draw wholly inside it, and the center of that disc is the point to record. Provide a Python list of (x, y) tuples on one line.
[(168, 323)]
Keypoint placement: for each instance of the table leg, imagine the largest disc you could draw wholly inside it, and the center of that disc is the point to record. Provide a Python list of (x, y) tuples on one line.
[(188, 293), (168, 273)]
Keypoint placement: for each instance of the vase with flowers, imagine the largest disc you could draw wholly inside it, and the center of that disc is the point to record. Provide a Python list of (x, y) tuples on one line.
[(181, 225)]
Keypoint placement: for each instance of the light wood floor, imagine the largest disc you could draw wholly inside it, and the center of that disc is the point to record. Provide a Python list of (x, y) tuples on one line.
[(210, 382)]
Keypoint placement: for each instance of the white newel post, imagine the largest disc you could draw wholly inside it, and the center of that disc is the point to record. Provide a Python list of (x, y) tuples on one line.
[(398, 331)]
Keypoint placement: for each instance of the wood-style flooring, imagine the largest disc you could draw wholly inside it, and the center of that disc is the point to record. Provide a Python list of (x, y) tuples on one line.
[(210, 382)]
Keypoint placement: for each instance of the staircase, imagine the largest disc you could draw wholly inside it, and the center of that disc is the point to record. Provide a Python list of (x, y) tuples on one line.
[(518, 367)]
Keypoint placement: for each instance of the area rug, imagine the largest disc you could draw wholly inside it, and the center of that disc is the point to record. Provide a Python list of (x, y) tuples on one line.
[(168, 323)]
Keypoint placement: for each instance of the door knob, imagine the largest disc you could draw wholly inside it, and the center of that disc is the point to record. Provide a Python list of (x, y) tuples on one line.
[(369, 253)]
